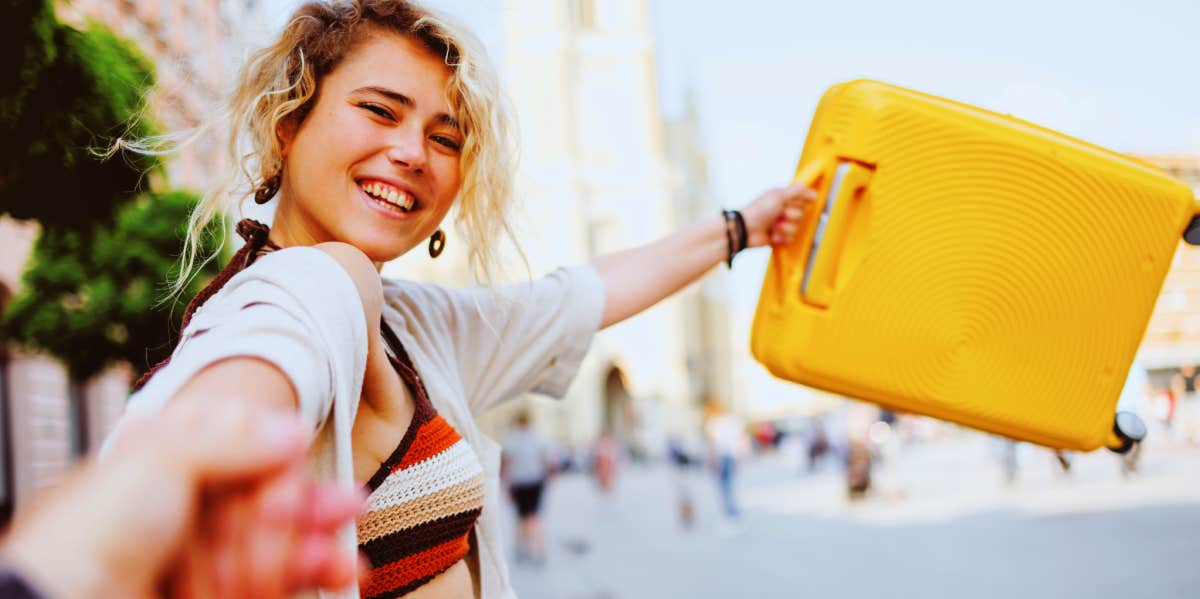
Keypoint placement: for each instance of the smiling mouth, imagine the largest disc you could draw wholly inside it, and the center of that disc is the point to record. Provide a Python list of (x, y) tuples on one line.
[(389, 195)]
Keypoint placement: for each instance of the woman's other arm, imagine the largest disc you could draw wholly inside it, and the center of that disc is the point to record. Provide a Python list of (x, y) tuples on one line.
[(640, 277)]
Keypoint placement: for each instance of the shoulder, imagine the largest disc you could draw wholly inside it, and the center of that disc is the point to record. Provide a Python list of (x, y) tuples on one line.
[(362, 272), (323, 280)]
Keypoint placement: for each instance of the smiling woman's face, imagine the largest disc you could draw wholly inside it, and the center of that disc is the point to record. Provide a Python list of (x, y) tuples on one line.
[(376, 161)]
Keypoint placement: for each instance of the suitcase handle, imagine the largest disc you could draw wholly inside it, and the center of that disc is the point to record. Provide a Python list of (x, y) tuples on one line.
[(831, 241), (837, 242), (785, 258)]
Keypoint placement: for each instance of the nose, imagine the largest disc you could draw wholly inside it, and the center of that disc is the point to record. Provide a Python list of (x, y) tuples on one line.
[(408, 150)]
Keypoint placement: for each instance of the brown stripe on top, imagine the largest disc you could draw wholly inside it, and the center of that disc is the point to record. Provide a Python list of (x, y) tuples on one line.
[(397, 545), (423, 408), (440, 504)]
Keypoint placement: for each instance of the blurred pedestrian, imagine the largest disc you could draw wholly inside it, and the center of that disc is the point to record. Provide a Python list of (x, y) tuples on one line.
[(727, 442), (1009, 461), (858, 469), (1187, 408), (860, 417), (818, 445), (525, 468), (605, 456), (681, 467)]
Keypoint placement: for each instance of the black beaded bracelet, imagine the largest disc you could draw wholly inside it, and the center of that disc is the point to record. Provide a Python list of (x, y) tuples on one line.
[(735, 234), (741, 230)]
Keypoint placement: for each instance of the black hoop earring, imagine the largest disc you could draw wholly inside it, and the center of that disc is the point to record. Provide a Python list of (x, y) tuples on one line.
[(437, 243), (267, 190)]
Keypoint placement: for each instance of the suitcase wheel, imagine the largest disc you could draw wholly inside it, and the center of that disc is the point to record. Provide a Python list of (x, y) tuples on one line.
[(1130, 429), (1192, 233)]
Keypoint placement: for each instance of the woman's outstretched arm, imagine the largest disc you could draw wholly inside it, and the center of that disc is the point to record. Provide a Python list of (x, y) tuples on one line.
[(640, 277)]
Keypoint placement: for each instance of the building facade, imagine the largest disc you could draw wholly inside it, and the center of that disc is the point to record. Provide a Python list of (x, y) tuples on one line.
[(1173, 336)]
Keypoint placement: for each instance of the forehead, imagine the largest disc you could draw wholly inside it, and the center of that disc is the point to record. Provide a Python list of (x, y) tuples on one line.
[(395, 62)]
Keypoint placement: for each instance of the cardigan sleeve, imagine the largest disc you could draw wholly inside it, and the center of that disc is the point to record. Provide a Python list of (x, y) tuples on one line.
[(295, 308), (526, 337)]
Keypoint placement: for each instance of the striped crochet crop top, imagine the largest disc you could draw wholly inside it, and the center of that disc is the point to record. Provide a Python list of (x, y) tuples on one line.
[(425, 498)]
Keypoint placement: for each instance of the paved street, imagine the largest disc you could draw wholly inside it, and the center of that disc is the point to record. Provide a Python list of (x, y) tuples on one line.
[(942, 524)]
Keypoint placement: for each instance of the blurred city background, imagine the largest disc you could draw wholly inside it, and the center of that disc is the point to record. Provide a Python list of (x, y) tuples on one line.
[(679, 466)]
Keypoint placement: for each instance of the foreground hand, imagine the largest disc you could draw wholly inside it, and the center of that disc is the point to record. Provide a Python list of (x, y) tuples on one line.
[(125, 525), (267, 540), (774, 217)]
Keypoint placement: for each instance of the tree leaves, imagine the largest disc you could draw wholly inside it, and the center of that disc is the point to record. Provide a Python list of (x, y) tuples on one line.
[(90, 299), (69, 94)]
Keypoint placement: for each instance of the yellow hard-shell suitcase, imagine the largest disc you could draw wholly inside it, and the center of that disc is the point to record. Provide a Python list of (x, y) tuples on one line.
[(969, 266)]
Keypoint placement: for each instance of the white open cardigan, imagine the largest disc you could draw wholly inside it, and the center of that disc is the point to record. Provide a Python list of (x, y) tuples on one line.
[(473, 348)]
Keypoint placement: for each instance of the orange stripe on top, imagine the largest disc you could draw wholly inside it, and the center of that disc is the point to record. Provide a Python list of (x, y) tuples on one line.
[(432, 561), (434, 437)]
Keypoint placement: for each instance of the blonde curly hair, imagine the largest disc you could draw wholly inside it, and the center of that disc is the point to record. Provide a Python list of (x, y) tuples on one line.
[(280, 82)]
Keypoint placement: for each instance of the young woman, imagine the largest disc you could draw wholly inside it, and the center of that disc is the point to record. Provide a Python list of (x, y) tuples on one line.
[(365, 122)]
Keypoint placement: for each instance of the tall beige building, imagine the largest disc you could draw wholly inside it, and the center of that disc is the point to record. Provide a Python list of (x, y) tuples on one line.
[(46, 420)]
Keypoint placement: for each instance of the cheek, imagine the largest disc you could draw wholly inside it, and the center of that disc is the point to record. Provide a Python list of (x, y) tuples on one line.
[(449, 177), (335, 139)]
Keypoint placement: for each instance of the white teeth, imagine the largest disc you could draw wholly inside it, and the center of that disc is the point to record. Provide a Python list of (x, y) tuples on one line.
[(388, 194)]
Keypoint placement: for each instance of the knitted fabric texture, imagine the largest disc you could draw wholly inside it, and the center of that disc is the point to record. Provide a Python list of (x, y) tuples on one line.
[(424, 499)]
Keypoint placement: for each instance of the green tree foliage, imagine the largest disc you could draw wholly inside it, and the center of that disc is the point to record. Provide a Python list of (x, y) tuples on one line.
[(89, 299), (64, 92)]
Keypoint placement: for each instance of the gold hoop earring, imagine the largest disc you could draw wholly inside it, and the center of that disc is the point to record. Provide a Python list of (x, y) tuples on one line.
[(437, 243), (267, 190)]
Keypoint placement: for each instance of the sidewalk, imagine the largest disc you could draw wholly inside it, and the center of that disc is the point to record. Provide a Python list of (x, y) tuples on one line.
[(942, 525)]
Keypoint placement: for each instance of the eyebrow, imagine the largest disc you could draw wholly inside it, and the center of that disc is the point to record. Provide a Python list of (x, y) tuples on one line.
[(406, 101)]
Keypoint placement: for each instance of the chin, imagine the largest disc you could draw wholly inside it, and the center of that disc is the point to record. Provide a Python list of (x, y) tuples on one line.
[(379, 247)]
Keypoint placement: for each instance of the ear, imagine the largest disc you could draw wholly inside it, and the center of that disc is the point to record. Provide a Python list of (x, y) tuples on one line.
[(285, 132)]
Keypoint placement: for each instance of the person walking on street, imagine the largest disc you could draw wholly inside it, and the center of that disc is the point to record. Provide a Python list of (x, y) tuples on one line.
[(525, 468), (726, 442)]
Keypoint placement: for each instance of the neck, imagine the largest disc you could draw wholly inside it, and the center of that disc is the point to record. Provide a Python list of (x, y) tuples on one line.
[(290, 228)]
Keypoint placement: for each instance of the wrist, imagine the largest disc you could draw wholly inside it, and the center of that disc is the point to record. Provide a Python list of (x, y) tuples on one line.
[(52, 574)]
